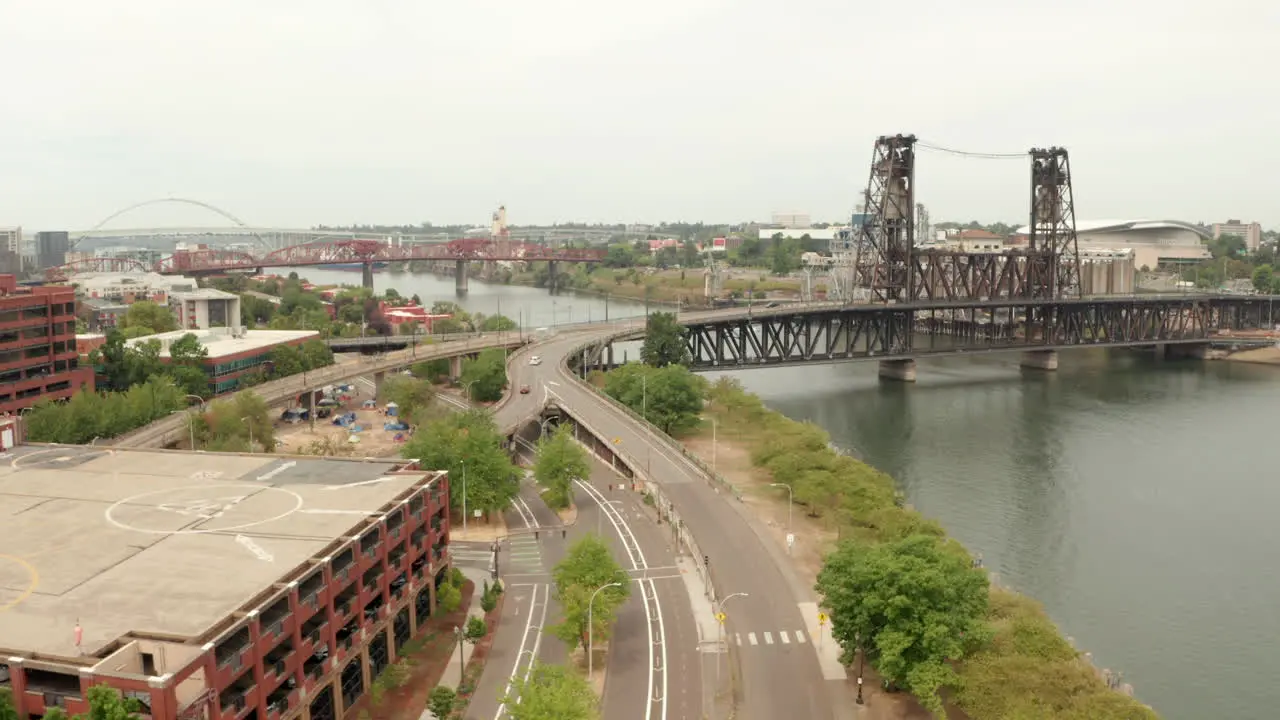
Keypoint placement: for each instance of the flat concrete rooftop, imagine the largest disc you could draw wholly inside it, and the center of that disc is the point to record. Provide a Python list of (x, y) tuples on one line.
[(163, 542)]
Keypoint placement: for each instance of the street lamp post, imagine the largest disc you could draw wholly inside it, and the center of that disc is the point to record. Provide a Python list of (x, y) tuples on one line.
[(790, 504), (857, 641), (591, 628), (462, 662), (191, 427), (249, 420), (721, 624), (464, 497)]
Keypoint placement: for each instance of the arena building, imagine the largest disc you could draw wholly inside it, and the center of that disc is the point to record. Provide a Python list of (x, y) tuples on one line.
[(212, 586), (1154, 242)]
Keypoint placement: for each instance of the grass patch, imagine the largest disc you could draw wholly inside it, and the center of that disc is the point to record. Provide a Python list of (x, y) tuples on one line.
[(1025, 670)]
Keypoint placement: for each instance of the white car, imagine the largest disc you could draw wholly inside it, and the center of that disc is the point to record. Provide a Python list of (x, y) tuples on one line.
[(535, 360)]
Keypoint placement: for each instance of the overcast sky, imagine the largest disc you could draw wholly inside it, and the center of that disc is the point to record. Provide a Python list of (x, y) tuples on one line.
[(292, 113)]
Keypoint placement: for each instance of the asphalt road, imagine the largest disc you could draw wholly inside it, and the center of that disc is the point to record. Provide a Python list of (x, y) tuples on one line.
[(778, 678)]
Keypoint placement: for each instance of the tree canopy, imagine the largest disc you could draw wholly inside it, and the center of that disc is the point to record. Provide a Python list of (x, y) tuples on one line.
[(559, 462), (150, 317), (588, 566), (664, 341), (551, 692), (670, 397), (486, 376), (470, 442), (289, 360), (88, 415), (105, 703), (240, 423), (412, 395), (914, 605)]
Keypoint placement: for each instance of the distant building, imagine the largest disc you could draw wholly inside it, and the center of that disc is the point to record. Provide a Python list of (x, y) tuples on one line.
[(233, 351), (205, 308), (38, 357), (1251, 232), (1154, 242), (51, 248), (103, 315), (131, 287), (790, 220), (11, 250), (976, 241), (799, 232)]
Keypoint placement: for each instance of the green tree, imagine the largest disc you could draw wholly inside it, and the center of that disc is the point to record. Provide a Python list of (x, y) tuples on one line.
[(8, 711), (670, 397), (467, 442), (587, 567), (88, 414), (448, 598), (486, 376), (476, 629), (285, 360), (149, 315), (240, 423), (495, 323), (315, 354), (440, 702), (1263, 278), (431, 370), (912, 604), (186, 365), (559, 462), (410, 393), (664, 341), (551, 692)]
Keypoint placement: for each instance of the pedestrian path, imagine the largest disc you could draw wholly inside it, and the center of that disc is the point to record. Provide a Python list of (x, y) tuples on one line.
[(523, 556), (472, 554), (453, 673), (778, 638)]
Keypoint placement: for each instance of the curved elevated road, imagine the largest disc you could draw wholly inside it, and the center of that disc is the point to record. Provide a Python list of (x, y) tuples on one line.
[(780, 673)]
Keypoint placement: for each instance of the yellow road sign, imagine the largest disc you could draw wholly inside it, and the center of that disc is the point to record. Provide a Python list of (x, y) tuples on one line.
[(822, 618), (720, 617), (617, 441)]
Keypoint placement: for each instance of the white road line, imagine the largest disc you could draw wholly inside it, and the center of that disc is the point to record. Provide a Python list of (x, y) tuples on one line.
[(800, 638), (515, 668), (752, 638), (737, 639), (783, 637), (768, 639)]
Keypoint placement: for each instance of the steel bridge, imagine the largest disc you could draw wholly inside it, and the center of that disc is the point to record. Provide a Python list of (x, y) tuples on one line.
[(904, 332), (363, 252)]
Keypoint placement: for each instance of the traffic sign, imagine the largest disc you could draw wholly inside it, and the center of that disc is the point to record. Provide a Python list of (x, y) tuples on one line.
[(617, 441), (822, 618), (720, 617)]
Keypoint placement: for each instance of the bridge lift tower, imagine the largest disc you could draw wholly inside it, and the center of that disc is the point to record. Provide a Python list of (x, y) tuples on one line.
[(884, 243)]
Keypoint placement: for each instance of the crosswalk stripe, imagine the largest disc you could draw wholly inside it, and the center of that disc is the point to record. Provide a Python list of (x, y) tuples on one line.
[(751, 637), (768, 639), (800, 638), (783, 636), (737, 639)]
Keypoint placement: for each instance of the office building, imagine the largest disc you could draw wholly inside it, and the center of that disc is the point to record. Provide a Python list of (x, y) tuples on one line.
[(51, 248), (11, 250), (789, 220), (1251, 232), (130, 287), (38, 357), (215, 586), (233, 351), (205, 308)]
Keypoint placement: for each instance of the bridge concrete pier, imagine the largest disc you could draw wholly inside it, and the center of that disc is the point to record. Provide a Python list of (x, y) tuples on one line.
[(552, 280), (378, 378), (366, 275), (900, 370), (455, 366), (1040, 359), (460, 277)]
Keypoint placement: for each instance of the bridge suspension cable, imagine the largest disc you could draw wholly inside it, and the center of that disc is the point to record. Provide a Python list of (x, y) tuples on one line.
[(971, 154)]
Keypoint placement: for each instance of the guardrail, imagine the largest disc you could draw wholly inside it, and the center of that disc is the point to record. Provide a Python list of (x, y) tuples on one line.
[(276, 390)]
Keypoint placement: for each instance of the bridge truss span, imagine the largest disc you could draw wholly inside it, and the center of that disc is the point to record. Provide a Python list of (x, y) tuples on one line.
[(905, 331)]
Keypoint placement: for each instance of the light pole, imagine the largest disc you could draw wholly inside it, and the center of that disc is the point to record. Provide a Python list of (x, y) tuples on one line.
[(591, 628), (857, 642), (464, 496), (249, 420), (197, 397), (466, 390), (721, 624), (713, 450), (462, 662), (790, 496)]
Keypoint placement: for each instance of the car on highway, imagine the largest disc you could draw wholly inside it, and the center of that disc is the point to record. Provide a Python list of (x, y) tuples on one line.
[(535, 360), (524, 389)]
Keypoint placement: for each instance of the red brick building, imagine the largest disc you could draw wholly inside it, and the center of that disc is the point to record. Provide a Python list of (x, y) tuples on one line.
[(291, 620), (38, 356)]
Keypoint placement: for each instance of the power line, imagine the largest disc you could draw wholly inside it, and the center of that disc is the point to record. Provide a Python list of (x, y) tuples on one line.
[(977, 155)]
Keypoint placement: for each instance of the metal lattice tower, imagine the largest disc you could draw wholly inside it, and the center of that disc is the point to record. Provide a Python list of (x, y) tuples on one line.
[(1053, 222), (922, 224), (885, 245)]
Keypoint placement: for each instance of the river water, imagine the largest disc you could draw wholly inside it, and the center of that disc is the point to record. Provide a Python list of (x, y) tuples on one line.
[(1135, 499)]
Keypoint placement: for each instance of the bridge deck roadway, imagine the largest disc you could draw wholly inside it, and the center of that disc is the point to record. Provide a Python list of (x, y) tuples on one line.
[(777, 680)]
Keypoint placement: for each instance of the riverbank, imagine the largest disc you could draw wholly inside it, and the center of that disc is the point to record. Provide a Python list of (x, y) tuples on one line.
[(1026, 669), (684, 287)]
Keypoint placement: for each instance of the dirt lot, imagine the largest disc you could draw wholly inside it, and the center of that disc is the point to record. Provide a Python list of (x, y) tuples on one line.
[(329, 439)]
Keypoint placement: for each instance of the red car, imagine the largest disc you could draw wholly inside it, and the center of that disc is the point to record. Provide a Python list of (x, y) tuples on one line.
[(524, 389)]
